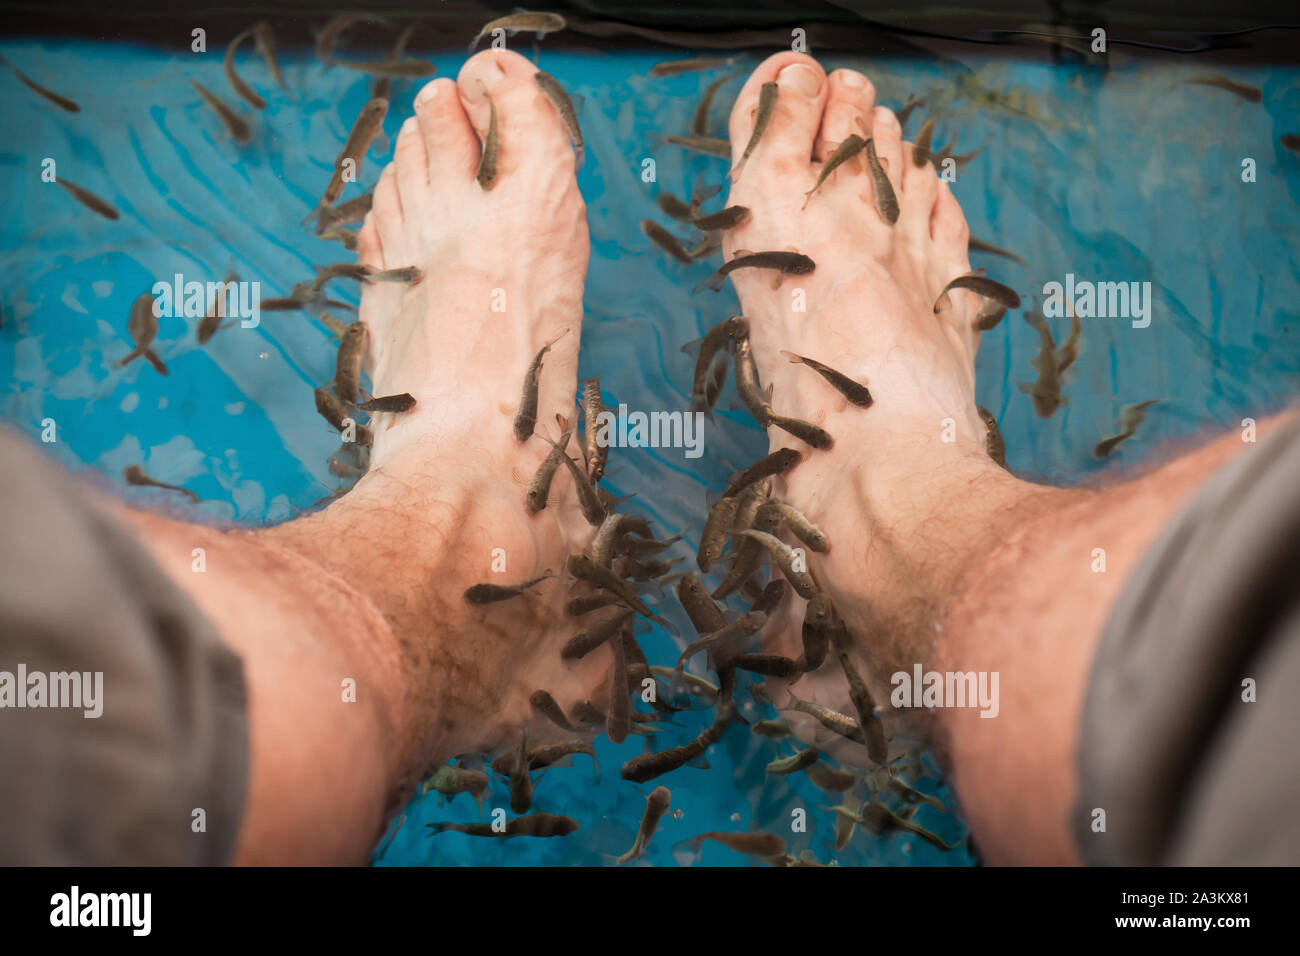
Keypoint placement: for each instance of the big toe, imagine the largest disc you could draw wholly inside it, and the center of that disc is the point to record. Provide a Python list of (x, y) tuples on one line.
[(786, 141)]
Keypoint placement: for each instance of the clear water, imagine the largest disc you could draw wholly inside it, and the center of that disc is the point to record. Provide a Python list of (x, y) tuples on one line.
[(1113, 176)]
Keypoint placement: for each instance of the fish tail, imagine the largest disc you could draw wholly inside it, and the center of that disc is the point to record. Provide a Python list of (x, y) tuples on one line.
[(135, 354), (155, 361)]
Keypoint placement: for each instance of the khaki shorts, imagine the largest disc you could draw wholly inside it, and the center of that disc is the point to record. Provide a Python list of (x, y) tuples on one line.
[(1189, 735), (90, 626)]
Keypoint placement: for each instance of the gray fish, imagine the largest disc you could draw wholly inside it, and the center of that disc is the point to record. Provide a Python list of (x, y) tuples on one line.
[(450, 781), (692, 65), (849, 148), (706, 617), (724, 333), (538, 495), (135, 475), (89, 199), (1068, 353), (710, 145), (714, 536), (921, 149), (982, 286), (744, 626), (873, 729), (245, 92), (793, 764), (754, 513), (521, 778), (785, 559), (618, 719), (346, 213), (832, 720), (564, 106), (676, 208), (724, 219), (798, 522), (410, 68), (142, 326), (492, 593), (766, 107), (855, 392), (1130, 419), (886, 200), (584, 568), (235, 124), (264, 42), (1046, 390), (777, 463), (979, 245), (772, 729), (700, 120), (526, 416), (486, 175), (880, 820), (818, 620), (770, 597), (583, 643), (334, 412), (527, 21), (906, 111), (579, 606), (364, 130), (829, 779), (329, 36), (804, 431), (211, 322), (994, 446), (666, 241), (656, 805), (539, 758), (60, 101), (647, 766), (588, 500), (345, 236), (347, 365), (785, 263), (534, 825), (389, 403), (747, 387), (767, 846)]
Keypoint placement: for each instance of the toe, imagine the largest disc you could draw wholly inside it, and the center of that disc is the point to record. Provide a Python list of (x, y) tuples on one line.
[(386, 212), (370, 251), (919, 194), (787, 143), (888, 140), (948, 228), (412, 165), (450, 143), (530, 132), (849, 103)]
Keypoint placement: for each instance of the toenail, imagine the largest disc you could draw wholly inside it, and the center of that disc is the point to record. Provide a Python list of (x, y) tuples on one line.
[(801, 79), (852, 79), (408, 127), (429, 92)]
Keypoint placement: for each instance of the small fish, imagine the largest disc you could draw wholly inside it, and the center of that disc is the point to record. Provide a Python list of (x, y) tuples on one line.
[(777, 463), (642, 547), (818, 620), (583, 643), (845, 825), (135, 475), (579, 606), (409, 68), (873, 729), (211, 322), (772, 729), (1068, 353), (693, 65), (526, 416), (979, 245), (89, 199), (264, 42), (347, 213), (677, 209), (749, 556), (886, 200), (526, 21), (786, 559), (921, 149), (334, 412), (364, 130), (602, 546), (829, 779), (710, 145), (717, 338), (338, 270), (284, 304), (588, 500), (142, 326), (714, 536), (488, 165), (539, 758), (910, 795), (982, 286), (521, 778), (1251, 94), (749, 623), (329, 36), (700, 120), (696, 686), (766, 107), (855, 392), (347, 366), (584, 568), (647, 766), (450, 781), (747, 387), (832, 720), (237, 126), (618, 719), (724, 219), (383, 84), (345, 236), (804, 431), (538, 495), (656, 805), (389, 403), (849, 148), (906, 111), (492, 593), (785, 263), (534, 825), (767, 846), (60, 101), (706, 617), (989, 315), (994, 446), (798, 522), (880, 820), (244, 91), (800, 761), (1046, 390), (405, 275), (666, 241), (564, 106), (1130, 419)]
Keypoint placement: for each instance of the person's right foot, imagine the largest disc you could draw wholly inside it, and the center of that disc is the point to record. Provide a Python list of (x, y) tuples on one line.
[(896, 493)]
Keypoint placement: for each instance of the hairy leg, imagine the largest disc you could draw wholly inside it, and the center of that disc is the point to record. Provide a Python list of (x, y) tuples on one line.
[(372, 588)]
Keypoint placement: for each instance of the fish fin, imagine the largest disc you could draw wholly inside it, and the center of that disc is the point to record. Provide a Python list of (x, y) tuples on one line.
[(793, 358), (692, 348), (701, 762)]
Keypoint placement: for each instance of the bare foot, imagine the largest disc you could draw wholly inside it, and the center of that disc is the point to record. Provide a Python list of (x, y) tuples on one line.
[(906, 492), (503, 276)]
